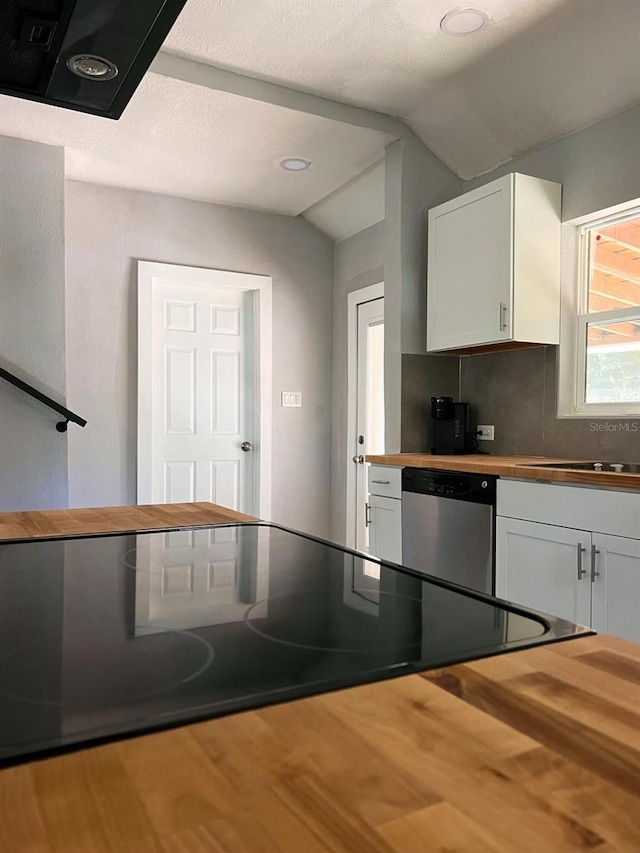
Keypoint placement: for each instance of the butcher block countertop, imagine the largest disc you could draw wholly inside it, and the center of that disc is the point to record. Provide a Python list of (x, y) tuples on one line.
[(510, 466), (537, 750), (112, 519)]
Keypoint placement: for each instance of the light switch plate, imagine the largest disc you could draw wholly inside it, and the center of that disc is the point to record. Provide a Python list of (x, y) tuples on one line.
[(292, 399)]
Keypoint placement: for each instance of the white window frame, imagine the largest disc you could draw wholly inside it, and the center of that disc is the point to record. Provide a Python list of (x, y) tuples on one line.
[(575, 316)]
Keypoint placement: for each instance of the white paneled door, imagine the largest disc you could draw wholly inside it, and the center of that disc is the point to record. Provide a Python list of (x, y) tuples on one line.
[(202, 396), (200, 426), (204, 366)]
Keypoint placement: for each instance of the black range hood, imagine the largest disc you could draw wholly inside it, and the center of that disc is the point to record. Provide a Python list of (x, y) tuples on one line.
[(86, 55)]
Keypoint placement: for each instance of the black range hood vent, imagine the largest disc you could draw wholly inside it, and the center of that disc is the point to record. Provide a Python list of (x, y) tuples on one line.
[(87, 55)]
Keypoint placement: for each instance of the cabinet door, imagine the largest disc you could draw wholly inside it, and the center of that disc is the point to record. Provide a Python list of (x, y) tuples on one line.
[(470, 263), (616, 587), (544, 567), (385, 528)]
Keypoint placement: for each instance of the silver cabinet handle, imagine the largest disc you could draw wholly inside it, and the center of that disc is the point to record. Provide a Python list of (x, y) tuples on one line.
[(594, 556), (359, 460), (367, 515), (246, 446), (382, 482), (581, 572), (503, 316)]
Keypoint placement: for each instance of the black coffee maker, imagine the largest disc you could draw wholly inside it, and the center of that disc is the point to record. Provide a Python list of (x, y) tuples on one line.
[(450, 426)]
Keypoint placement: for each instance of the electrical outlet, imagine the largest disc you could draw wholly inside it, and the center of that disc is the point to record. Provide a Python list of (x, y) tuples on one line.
[(485, 432)]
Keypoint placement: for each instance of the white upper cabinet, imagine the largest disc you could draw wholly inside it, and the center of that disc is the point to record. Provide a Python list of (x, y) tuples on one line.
[(494, 266)]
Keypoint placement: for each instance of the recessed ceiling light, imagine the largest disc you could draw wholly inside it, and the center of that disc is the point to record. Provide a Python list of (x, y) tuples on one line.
[(295, 164), (92, 67), (463, 22)]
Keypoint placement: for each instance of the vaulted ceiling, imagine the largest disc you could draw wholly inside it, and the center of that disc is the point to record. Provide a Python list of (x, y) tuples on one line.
[(538, 70)]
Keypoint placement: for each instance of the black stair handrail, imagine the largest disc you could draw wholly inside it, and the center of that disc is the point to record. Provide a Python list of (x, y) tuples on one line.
[(61, 426)]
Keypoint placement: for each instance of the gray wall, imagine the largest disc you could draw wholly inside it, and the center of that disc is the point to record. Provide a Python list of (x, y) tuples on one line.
[(415, 180), (394, 250), (516, 392), (359, 262), (108, 230), (33, 455), (598, 167)]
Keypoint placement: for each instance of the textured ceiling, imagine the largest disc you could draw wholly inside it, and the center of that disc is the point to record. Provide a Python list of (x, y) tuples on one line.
[(539, 70), (352, 208), (191, 141)]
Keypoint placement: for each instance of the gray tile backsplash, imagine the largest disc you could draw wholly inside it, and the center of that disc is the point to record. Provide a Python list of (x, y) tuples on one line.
[(516, 391), (423, 377), (618, 441), (507, 389)]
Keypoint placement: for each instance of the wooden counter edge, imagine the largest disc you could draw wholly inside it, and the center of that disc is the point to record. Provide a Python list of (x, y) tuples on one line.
[(519, 467), (39, 524)]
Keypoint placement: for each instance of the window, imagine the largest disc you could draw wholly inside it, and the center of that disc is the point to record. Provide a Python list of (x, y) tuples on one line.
[(608, 322)]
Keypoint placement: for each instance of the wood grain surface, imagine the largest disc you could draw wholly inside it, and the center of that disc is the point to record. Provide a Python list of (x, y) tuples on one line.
[(510, 466), (71, 522), (532, 751)]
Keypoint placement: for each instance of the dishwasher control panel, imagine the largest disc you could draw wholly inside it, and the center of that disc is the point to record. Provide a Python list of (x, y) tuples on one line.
[(477, 488)]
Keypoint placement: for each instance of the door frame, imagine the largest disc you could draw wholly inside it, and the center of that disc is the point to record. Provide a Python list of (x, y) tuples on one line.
[(260, 285), (354, 299)]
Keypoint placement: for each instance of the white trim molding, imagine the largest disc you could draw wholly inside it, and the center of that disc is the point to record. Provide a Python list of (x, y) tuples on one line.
[(354, 298), (260, 285)]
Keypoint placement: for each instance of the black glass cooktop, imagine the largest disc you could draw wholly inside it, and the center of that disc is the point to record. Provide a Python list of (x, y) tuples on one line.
[(111, 635)]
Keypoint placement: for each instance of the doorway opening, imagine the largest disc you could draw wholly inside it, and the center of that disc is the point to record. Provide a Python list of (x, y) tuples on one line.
[(365, 412)]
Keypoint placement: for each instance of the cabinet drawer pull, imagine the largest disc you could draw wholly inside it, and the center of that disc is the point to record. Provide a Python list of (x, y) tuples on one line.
[(382, 482), (594, 556), (367, 515), (503, 316), (581, 572)]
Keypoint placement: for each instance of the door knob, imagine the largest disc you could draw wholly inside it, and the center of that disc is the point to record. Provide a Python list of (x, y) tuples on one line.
[(246, 446), (359, 460)]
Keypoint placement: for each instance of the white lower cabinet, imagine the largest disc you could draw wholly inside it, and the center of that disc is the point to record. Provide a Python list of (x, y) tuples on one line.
[(615, 603), (585, 577), (385, 528), (537, 565), (384, 512)]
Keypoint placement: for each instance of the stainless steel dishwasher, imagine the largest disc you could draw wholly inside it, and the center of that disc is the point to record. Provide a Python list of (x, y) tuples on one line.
[(448, 522)]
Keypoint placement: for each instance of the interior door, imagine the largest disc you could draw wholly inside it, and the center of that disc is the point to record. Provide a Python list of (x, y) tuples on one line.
[(369, 437), (199, 419)]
